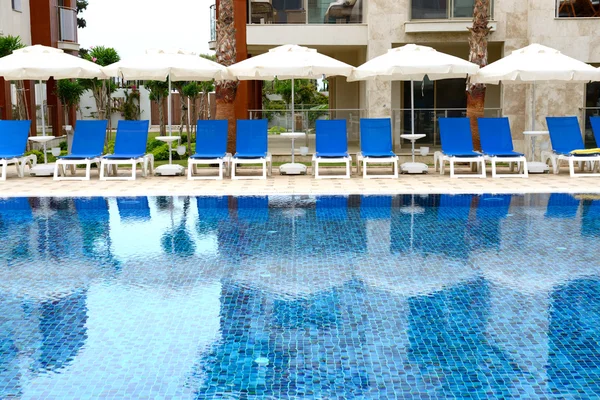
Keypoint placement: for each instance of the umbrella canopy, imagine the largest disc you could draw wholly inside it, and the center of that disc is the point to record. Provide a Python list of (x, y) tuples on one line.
[(536, 63), (177, 65), (287, 62), (412, 63), (42, 63)]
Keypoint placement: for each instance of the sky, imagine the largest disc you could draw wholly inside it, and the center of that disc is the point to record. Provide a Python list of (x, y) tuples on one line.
[(132, 26)]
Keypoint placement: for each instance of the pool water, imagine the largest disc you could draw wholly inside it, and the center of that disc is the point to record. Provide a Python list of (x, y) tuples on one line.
[(300, 297)]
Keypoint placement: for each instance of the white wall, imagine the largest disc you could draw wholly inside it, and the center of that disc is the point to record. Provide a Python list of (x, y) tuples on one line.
[(15, 23)]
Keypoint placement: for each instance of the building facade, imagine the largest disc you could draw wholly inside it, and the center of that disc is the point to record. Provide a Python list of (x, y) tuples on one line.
[(355, 31), (47, 22)]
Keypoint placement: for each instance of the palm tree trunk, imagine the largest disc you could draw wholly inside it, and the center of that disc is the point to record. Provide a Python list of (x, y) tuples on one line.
[(226, 55), (478, 55), (161, 116)]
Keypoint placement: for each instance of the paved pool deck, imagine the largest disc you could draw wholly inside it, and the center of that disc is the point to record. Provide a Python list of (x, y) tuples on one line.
[(430, 183)]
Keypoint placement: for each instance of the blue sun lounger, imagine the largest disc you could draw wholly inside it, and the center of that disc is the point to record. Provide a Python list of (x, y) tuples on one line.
[(87, 149), (211, 148), (376, 146), (565, 136), (251, 147), (130, 149), (497, 146), (13, 143), (331, 146), (457, 146)]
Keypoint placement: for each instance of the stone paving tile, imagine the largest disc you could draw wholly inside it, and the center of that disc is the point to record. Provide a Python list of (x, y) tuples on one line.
[(277, 184)]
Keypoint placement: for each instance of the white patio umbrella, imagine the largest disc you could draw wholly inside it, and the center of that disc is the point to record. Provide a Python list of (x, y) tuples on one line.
[(41, 63), (171, 65), (412, 63), (536, 63), (289, 62)]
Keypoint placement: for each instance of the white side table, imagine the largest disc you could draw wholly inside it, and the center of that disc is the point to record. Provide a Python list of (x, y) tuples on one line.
[(169, 169), (293, 168), (535, 167), (44, 169), (413, 167)]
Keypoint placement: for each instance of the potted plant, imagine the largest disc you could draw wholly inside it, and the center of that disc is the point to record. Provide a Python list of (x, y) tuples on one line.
[(69, 93)]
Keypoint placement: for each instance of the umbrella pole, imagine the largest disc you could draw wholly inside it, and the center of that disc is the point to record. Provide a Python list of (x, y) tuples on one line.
[(412, 116), (533, 106), (43, 121), (169, 118), (293, 120)]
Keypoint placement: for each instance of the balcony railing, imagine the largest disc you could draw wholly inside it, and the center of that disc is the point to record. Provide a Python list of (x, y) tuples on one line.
[(67, 18), (450, 9), (305, 120), (426, 121), (305, 12), (577, 8)]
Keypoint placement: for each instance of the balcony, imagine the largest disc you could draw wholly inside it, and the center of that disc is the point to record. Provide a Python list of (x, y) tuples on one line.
[(305, 12), (577, 8), (67, 20), (306, 22), (443, 16)]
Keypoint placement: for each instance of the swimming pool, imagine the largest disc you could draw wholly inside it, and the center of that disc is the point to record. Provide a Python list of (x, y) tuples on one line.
[(369, 297)]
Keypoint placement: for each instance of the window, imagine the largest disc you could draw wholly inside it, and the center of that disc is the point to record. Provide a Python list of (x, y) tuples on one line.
[(444, 9), (592, 109), (16, 5), (577, 8)]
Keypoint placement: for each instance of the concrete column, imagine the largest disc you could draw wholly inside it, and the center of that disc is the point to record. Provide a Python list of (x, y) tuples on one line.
[(378, 94)]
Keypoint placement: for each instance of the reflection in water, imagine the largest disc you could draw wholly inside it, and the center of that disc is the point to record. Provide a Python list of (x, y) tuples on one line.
[(314, 297)]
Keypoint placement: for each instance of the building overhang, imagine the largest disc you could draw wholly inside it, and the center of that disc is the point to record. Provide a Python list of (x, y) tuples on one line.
[(69, 46), (307, 34), (441, 26)]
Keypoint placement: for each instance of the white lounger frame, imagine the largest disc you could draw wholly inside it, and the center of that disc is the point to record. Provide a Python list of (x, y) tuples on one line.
[(145, 161), (19, 162), (555, 160), (263, 160), (521, 162), (328, 160), (360, 159), (194, 162), (440, 158), (60, 173)]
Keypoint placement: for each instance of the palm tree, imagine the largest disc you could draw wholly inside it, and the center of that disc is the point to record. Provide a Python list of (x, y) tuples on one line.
[(226, 55), (478, 54)]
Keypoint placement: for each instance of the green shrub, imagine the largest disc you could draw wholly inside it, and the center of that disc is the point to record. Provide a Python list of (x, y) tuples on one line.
[(153, 144), (40, 156), (63, 146), (276, 130), (110, 146), (161, 153)]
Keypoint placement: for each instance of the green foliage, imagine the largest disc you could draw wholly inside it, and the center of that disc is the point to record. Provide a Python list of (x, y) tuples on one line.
[(81, 5), (161, 153), (110, 146), (153, 144), (158, 90), (39, 155), (130, 108), (276, 130), (63, 146), (69, 92), (102, 55), (8, 44), (272, 106)]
